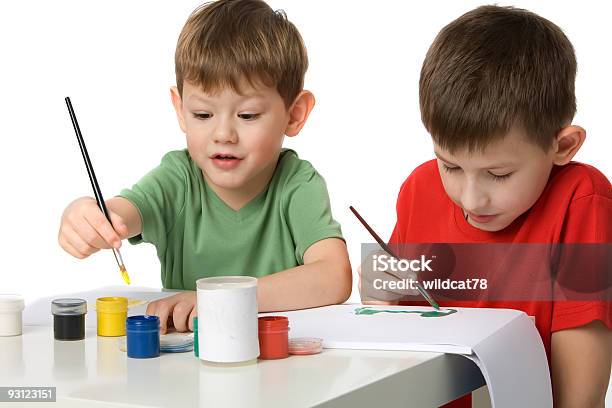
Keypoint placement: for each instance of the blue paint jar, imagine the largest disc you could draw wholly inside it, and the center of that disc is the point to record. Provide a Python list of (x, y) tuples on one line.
[(142, 336)]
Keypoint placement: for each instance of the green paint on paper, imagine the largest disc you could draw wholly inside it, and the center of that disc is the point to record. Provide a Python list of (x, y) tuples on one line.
[(424, 313)]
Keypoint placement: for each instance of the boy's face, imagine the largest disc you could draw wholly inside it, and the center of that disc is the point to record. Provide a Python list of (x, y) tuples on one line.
[(235, 139), (496, 186)]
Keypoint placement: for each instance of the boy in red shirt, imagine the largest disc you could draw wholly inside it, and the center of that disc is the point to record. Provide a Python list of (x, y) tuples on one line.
[(497, 96)]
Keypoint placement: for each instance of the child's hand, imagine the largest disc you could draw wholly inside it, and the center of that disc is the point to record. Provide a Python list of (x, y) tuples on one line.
[(84, 229), (370, 302), (175, 311), (375, 286)]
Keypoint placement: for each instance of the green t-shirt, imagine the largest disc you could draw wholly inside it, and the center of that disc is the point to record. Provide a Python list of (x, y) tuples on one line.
[(197, 235)]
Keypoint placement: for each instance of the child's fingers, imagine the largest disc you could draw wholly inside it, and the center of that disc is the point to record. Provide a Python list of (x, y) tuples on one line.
[(194, 313), (404, 286), (163, 311), (90, 235), (384, 286), (100, 224), (180, 315), (69, 248), (176, 310), (151, 308), (370, 291), (74, 252), (385, 278), (73, 238), (119, 225)]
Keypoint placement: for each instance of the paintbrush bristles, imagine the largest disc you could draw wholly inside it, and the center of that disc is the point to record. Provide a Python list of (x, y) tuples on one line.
[(124, 274)]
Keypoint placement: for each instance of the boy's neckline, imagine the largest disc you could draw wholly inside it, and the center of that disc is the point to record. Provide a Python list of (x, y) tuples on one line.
[(245, 211)]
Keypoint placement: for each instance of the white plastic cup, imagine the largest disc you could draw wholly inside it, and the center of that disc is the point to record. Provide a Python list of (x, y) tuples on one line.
[(11, 307), (227, 319)]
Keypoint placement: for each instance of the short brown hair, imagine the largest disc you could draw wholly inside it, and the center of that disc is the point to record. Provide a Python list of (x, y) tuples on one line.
[(494, 68), (227, 41)]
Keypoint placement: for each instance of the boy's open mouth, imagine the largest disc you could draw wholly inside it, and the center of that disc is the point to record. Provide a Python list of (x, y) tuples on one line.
[(222, 156), (226, 161)]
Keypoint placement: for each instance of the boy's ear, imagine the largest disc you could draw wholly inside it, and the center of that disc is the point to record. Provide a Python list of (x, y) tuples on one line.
[(567, 143), (177, 102), (298, 112)]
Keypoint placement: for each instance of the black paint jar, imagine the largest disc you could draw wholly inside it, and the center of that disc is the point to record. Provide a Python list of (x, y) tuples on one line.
[(69, 318)]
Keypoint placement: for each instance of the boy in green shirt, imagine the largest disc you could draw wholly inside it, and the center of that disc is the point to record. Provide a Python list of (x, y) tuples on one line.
[(234, 202)]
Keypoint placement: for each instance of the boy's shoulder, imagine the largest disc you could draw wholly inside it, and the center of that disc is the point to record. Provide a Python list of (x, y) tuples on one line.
[(578, 180), (177, 158), (423, 193), (423, 181), (575, 206), (296, 179), (426, 171), (291, 170)]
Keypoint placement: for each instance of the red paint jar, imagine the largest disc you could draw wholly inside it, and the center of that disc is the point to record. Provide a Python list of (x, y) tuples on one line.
[(273, 337)]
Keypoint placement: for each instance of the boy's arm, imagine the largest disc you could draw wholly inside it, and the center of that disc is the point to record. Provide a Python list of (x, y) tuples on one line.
[(581, 359), (324, 279), (128, 213)]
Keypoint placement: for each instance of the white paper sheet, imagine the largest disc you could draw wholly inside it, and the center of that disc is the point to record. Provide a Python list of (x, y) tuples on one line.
[(503, 343), (38, 313)]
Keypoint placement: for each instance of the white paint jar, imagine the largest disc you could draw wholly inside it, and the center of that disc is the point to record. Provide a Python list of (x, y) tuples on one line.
[(11, 307), (227, 319)]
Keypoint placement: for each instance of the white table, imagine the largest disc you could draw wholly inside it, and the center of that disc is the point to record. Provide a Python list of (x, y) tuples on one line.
[(94, 372)]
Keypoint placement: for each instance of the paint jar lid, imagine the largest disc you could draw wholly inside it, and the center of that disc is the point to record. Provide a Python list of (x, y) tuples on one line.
[(68, 306), (142, 323), (11, 303), (226, 282), (112, 305), (273, 324), (305, 345)]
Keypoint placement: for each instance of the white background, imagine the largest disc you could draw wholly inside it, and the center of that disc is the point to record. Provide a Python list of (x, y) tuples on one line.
[(115, 60)]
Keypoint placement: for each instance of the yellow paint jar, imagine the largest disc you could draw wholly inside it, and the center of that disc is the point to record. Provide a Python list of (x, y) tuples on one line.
[(112, 314)]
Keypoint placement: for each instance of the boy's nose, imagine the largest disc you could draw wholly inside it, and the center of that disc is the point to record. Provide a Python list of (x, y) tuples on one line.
[(473, 198), (225, 133)]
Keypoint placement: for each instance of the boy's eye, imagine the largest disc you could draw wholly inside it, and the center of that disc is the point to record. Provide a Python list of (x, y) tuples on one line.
[(450, 169), (500, 177), (249, 116), (203, 115)]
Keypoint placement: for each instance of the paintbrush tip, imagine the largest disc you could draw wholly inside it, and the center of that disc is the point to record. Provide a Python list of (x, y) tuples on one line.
[(124, 275)]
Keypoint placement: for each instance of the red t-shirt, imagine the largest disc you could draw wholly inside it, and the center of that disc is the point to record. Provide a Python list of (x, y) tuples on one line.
[(575, 207)]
